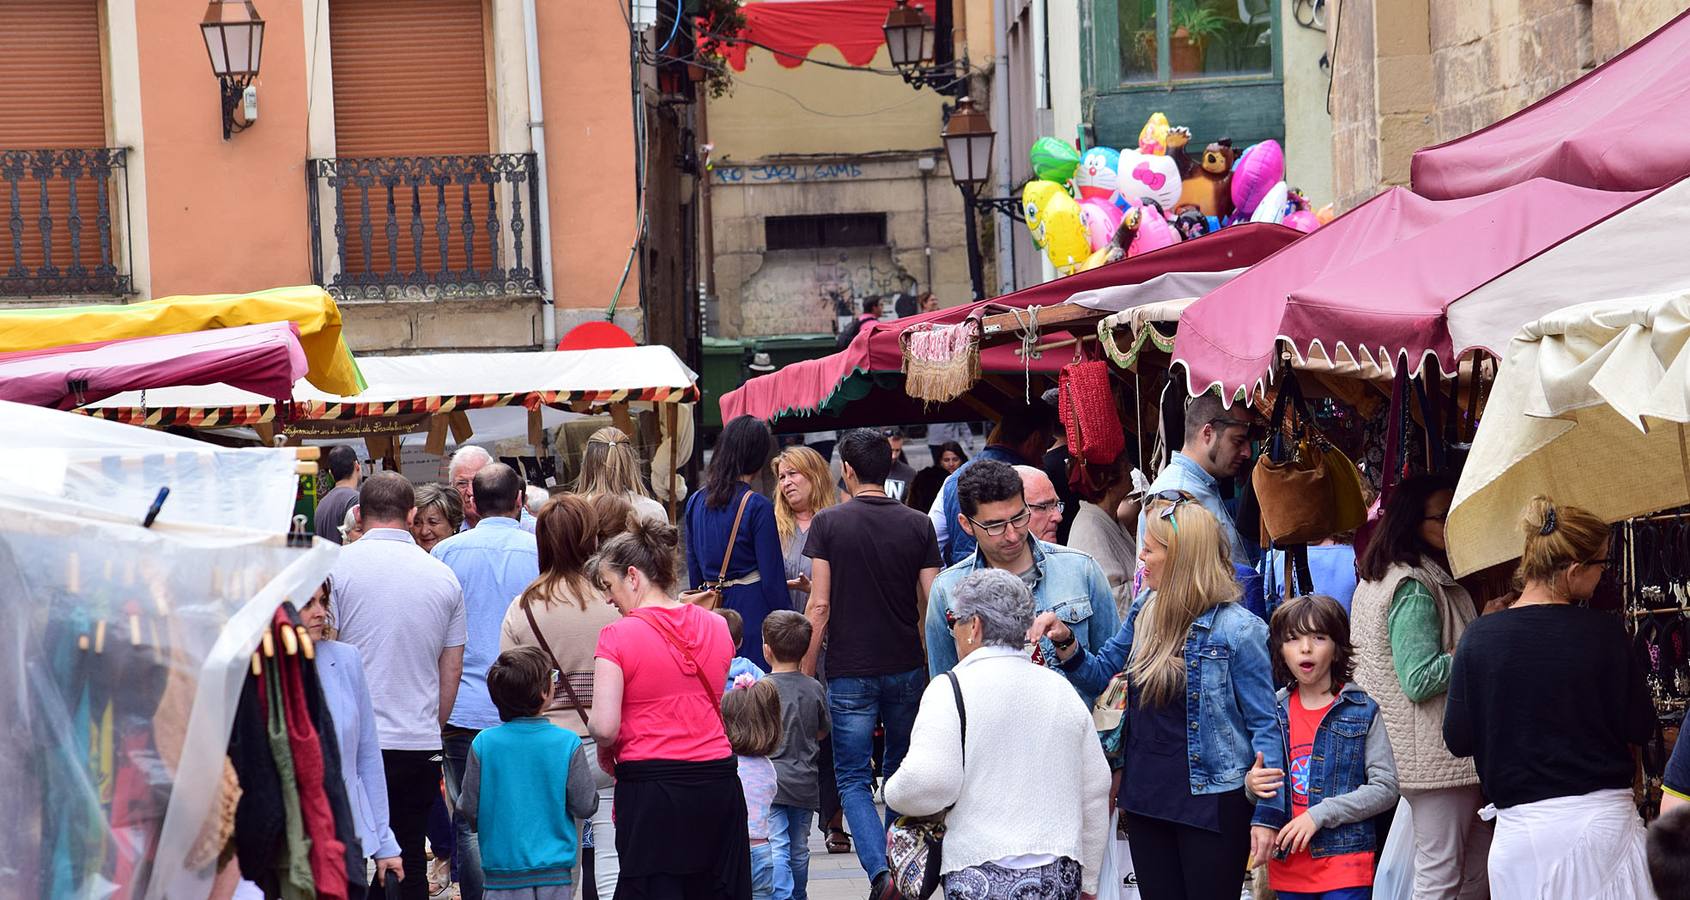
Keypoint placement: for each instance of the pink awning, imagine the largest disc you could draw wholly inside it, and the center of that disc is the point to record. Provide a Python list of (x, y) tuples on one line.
[(264, 359), (1620, 128), (824, 386), (1378, 281)]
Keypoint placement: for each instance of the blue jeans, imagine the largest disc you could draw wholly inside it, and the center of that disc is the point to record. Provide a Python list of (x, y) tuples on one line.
[(762, 873), (789, 843), (466, 861), (854, 705), (1355, 893)]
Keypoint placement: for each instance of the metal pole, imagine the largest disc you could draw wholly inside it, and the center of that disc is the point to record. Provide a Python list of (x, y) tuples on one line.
[(976, 276)]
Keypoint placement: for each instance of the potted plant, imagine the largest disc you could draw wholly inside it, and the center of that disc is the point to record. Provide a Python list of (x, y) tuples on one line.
[(1193, 25)]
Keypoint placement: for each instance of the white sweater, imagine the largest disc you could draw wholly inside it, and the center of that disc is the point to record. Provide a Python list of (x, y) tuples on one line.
[(1035, 780)]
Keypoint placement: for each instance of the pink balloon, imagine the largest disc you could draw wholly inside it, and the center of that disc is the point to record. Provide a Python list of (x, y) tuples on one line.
[(1101, 219), (1154, 232), (1302, 220), (1260, 168)]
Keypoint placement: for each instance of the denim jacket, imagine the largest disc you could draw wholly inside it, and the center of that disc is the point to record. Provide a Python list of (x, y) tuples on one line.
[(1229, 699), (1067, 582), (1352, 776)]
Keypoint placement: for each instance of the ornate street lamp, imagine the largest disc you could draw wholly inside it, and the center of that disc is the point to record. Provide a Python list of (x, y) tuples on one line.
[(909, 38), (968, 137), (234, 39)]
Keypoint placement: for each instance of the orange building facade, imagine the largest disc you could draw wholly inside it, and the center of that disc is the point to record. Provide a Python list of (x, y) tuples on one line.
[(392, 161)]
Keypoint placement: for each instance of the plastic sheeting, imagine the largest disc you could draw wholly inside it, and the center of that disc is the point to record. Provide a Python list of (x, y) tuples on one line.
[(124, 653), (51, 459)]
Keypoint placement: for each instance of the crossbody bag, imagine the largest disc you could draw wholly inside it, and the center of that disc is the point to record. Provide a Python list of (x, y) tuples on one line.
[(709, 594), (563, 677)]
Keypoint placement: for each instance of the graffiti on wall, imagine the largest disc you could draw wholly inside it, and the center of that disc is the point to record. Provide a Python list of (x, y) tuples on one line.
[(808, 291), (787, 173)]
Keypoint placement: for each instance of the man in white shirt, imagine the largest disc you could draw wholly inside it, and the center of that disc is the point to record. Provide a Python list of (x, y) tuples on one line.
[(404, 611)]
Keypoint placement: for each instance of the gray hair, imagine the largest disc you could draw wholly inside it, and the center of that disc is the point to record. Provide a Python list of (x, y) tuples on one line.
[(465, 455), (349, 522), (1001, 601)]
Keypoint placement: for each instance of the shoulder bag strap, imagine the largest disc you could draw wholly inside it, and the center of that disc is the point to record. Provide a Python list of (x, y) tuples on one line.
[(698, 670), (580, 709), (961, 713), (733, 535)]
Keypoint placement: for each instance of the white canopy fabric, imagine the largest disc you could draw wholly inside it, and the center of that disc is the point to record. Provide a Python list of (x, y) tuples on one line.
[(416, 384), (1590, 408), (1172, 286)]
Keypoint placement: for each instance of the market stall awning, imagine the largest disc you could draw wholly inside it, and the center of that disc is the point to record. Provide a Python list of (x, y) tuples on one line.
[(1620, 128), (1590, 407), (1377, 282), (264, 359), (331, 366), (825, 386), (793, 31), (429, 384)]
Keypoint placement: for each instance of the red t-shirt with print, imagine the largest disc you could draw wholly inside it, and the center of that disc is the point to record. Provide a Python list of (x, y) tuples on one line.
[(1302, 872)]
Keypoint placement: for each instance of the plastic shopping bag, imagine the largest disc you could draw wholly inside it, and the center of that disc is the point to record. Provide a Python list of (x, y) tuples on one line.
[(1115, 878), (1395, 877)]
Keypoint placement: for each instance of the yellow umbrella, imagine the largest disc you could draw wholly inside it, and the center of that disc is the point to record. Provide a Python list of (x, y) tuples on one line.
[(1590, 407), (332, 368)]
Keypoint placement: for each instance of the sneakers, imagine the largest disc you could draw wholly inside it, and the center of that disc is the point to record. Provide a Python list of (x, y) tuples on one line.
[(439, 876)]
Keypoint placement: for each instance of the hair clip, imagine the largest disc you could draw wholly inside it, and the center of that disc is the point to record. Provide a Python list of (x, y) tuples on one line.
[(743, 680), (1549, 523)]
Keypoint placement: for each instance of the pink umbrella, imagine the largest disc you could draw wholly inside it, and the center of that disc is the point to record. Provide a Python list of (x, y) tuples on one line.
[(265, 359)]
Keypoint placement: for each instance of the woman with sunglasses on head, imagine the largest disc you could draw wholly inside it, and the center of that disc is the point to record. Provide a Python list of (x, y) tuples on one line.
[(1201, 707), (658, 676), (1548, 699), (1406, 618)]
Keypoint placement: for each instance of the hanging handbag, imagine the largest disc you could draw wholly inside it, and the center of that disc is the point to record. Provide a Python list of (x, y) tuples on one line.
[(1308, 489), (915, 845), (709, 594), (1086, 403), (1109, 717), (562, 676)]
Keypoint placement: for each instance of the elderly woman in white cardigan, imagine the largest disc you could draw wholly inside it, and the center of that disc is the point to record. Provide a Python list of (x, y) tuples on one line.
[(1027, 786)]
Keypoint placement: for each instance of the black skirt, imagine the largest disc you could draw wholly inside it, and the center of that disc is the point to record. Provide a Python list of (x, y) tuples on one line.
[(681, 830)]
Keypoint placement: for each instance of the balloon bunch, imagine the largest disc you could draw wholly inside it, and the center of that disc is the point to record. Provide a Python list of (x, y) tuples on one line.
[(1085, 209)]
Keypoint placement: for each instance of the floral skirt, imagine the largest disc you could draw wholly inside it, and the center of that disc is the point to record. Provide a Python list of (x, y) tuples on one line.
[(1059, 880)]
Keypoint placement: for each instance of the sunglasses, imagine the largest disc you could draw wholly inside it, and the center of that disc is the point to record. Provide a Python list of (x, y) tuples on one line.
[(1017, 521), (1173, 499), (951, 619)]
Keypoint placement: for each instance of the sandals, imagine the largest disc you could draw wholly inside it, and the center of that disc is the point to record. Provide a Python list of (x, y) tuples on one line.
[(838, 841)]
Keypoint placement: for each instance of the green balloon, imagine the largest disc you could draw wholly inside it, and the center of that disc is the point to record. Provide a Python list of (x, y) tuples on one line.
[(1054, 160)]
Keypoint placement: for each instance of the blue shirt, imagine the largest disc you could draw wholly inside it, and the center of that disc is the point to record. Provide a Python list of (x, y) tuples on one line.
[(340, 669), (955, 543), (1332, 566), (1182, 473), (756, 550), (742, 666), (528, 522), (528, 774), (494, 562)]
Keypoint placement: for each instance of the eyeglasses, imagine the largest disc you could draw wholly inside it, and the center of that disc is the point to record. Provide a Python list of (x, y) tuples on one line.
[(556, 676), (1049, 506), (951, 619), (1017, 521)]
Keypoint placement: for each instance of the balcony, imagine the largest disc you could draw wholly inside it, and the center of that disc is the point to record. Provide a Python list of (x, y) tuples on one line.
[(425, 227), (62, 210)]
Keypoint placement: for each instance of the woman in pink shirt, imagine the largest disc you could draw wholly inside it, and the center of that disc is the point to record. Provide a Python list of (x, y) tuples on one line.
[(657, 688)]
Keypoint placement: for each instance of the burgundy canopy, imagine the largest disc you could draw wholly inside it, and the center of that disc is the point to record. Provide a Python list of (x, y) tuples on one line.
[(825, 386), (265, 359), (1620, 128), (1380, 281)]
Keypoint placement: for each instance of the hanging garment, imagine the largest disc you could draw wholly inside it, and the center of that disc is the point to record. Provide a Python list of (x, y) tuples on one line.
[(259, 818), (334, 781), (327, 852), (295, 864)]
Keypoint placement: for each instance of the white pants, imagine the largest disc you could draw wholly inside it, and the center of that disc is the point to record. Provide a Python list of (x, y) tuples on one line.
[(1589, 846), (1450, 844), (606, 864)]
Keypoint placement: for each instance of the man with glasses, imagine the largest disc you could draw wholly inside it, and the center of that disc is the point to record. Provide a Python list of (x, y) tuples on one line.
[(1021, 438), (1043, 502), (995, 512), (1217, 445), (873, 562)]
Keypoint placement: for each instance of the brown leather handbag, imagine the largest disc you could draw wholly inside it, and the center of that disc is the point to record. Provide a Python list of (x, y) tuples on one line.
[(1308, 490), (709, 594)]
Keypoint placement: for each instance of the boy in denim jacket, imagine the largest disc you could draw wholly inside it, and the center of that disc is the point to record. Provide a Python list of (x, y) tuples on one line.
[(1318, 839)]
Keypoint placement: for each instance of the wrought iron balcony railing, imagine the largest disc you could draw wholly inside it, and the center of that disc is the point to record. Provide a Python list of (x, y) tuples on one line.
[(62, 222), (425, 227)]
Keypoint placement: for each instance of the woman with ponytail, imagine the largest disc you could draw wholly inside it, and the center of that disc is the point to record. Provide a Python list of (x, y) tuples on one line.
[(1548, 700), (657, 689), (1201, 707)]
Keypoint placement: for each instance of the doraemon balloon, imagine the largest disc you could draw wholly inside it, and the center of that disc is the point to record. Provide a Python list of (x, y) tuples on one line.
[(1153, 137), (1065, 234), (1274, 204), (1146, 176), (1096, 175), (1033, 199), (1101, 218), (1260, 168), (1054, 160)]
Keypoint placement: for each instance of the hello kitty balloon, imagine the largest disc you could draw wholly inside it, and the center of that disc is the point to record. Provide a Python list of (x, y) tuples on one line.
[(1147, 176)]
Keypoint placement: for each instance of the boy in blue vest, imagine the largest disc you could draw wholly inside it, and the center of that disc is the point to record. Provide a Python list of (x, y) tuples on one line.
[(526, 784)]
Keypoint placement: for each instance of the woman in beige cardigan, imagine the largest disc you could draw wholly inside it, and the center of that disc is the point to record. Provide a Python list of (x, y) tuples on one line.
[(1407, 618)]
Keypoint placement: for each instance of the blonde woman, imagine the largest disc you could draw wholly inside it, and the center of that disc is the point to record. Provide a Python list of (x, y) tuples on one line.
[(804, 487), (1188, 745), (611, 465)]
